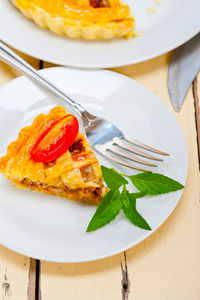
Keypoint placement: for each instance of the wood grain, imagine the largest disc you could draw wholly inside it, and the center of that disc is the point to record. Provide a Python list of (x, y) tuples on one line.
[(164, 266), (14, 270), (167, 264), (126, 285), (196, 92), (17, 272), (31, 291), (85, 281)]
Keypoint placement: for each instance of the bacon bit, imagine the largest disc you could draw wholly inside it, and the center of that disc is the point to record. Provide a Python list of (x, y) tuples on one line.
[(99, 3), (49, 164), (77, 147)]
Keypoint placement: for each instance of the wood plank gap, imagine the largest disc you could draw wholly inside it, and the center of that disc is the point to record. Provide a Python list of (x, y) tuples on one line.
[(41, 64), (37, 281), (37, 271), (125, 282), (31, 280), (197, 113)]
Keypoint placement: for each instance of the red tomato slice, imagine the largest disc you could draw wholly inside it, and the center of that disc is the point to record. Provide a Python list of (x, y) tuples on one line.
[(56, 140)]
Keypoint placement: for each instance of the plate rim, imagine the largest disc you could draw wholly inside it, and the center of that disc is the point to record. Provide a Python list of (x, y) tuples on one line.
[(105, 65), (148, 233), (52, 58)]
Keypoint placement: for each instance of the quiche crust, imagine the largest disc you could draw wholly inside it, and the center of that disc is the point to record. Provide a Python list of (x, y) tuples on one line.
[(78, 19), (76, 174)]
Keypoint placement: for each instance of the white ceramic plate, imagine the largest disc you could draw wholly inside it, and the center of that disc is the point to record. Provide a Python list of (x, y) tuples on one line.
[(52, 228), (174, 23)]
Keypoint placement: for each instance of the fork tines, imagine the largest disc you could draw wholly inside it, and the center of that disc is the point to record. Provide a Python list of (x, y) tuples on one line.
[(126, 149)]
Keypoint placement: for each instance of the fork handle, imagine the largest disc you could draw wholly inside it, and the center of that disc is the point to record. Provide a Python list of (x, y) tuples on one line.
[(10, 57)]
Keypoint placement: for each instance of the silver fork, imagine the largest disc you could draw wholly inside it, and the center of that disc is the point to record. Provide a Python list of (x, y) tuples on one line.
[(105, 137)]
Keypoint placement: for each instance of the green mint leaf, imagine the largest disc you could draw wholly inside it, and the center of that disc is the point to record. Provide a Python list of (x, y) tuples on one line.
[(107, 210), (112, 179), (130, 211), (154, 183), (138, 195)]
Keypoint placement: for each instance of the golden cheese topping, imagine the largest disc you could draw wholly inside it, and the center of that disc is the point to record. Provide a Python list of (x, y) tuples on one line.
[(76, 174), (73, 9), (80, 18)]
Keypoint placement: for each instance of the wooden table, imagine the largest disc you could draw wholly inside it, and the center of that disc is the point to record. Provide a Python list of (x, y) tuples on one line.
[(166, 266)]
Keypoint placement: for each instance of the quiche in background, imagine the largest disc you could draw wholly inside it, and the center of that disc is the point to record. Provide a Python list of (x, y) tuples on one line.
[(87, 19)]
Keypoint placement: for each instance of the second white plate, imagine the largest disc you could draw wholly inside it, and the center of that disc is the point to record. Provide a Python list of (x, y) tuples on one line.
[(51, 228), (174, 23)]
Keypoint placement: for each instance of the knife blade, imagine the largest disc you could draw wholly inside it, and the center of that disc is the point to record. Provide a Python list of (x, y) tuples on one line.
[(184, 66)]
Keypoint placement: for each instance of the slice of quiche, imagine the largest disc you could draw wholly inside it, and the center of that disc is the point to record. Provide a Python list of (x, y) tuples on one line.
[(87, 19), (52, 156)]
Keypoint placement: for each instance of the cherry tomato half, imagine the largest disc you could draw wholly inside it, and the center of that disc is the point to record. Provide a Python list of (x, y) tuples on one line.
[(56, 140)]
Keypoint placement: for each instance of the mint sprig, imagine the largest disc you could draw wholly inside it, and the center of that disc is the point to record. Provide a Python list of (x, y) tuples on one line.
[(147, 183), (154, 183), (130, 211), (107, 210), (113, 179)]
